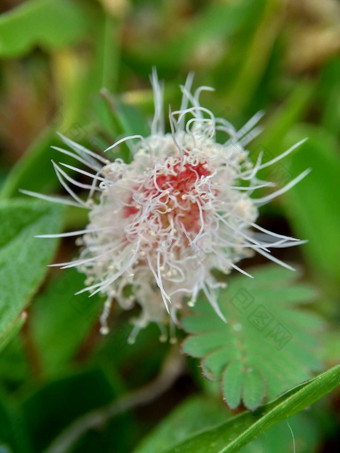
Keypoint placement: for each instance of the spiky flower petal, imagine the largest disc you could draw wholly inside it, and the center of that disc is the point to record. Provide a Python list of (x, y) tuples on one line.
[(160, 225)]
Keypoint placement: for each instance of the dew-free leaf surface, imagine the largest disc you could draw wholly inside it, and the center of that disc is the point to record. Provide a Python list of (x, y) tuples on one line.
[(266, 346), (199, 413), (238, 431), (23, 258)]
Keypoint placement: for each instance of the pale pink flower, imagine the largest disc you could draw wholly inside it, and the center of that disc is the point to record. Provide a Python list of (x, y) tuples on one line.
[(160, 225)]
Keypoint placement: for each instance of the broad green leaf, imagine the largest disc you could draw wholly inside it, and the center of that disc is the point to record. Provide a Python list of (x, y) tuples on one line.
[(198, 414), (235, 433), (61, 320), (313, 205), (50, 24), (23, 259), (266, 346)]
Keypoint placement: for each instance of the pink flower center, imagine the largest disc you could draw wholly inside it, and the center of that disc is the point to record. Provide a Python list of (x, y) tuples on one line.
[(175, 191)]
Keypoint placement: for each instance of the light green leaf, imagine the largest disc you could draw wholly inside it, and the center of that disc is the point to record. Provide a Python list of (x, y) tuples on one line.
[(236, 432), (266, 346), (50, 24), (23, 259)]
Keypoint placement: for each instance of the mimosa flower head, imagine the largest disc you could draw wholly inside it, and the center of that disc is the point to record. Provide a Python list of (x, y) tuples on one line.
[(184, 206)]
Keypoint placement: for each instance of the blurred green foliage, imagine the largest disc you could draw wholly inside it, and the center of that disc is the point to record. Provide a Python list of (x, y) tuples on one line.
[(81, 67)]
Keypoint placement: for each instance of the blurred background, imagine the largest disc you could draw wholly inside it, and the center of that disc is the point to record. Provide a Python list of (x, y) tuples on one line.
[(82, 68)]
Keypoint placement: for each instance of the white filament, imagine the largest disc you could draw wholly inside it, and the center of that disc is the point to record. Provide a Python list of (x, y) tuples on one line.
[(159, 225)]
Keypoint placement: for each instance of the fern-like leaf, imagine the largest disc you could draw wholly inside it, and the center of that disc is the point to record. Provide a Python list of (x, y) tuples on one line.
[(267, 345)]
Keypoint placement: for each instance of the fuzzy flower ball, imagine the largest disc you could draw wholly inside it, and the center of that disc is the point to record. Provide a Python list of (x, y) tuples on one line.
[(183, 207)]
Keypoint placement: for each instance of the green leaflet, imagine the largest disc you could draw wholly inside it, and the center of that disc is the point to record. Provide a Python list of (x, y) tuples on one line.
[(23, 258), (49, 23), (236, 432), (266, 347)]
